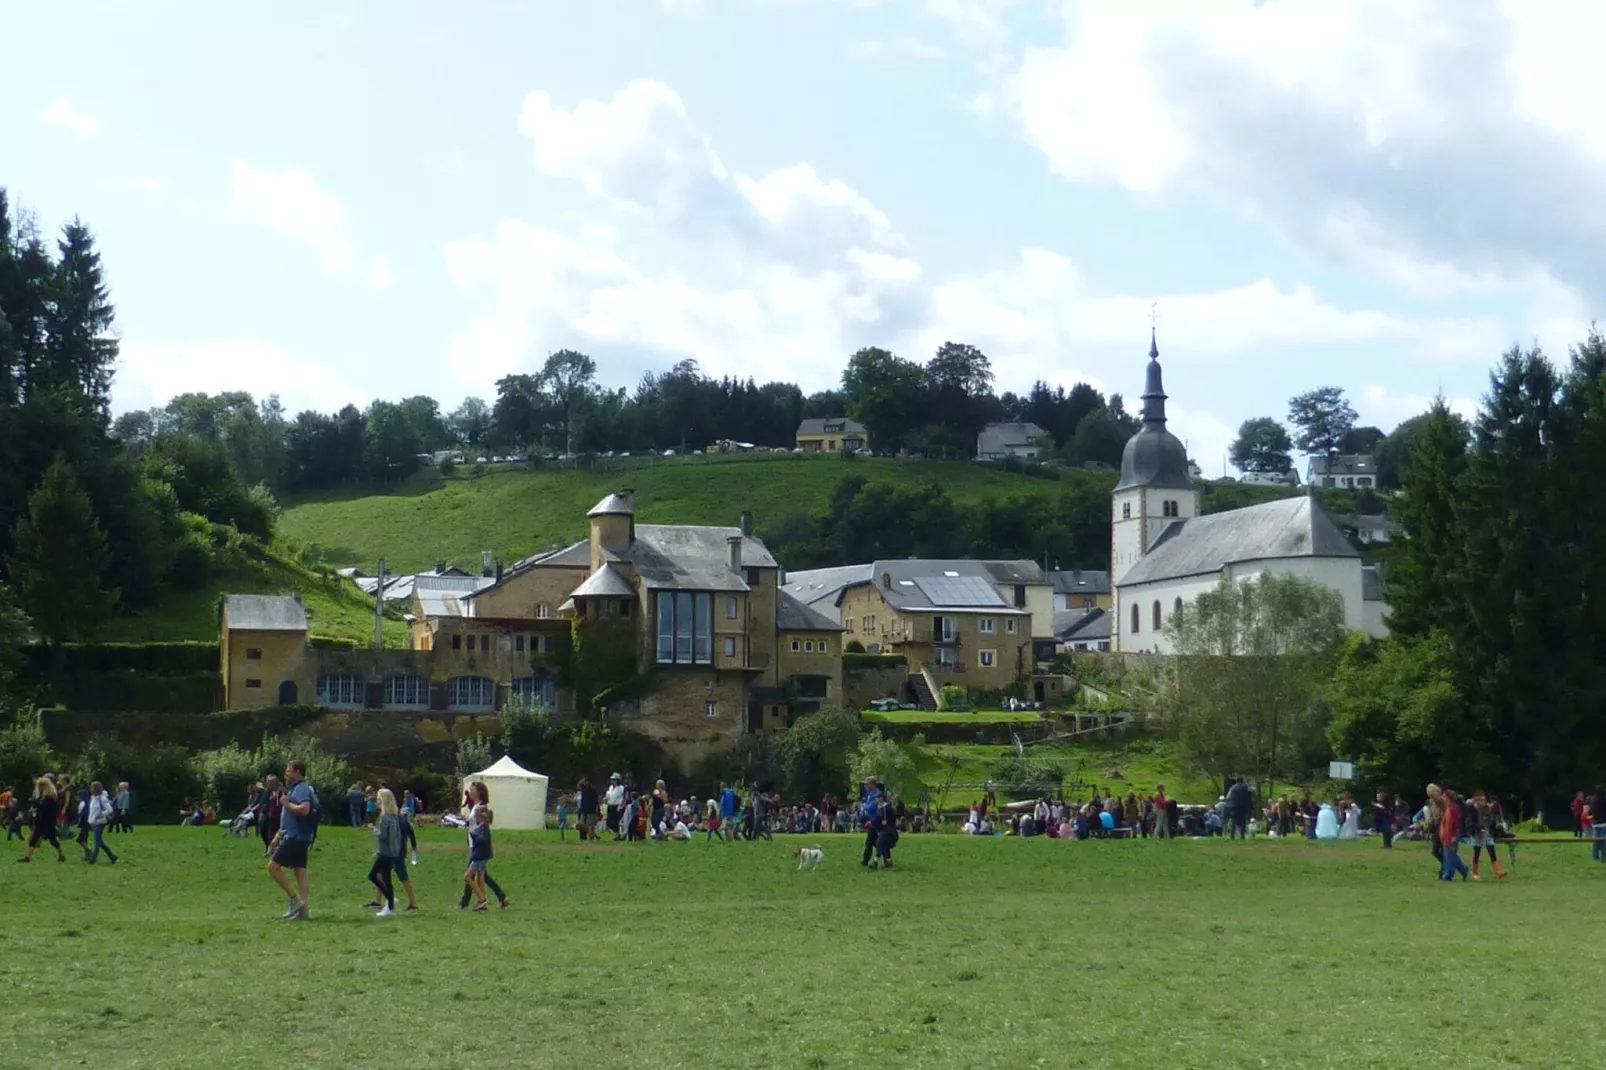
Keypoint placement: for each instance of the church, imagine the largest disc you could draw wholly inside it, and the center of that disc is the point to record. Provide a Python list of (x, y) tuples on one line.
[(1163, 553)]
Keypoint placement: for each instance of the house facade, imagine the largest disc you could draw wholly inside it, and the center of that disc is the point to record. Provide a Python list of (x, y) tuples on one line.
[(1080, 590), (998, 441), (833, 434), (1348, 471)]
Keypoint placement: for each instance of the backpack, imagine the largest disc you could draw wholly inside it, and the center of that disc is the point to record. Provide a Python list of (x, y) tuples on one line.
[(314, 816)]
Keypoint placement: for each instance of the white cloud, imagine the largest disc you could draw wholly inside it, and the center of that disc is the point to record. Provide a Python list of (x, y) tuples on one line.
[(898, 48), (150, 374), (1447, 147), (153, 187), (294, 206), (1381, 407), (61, 113)]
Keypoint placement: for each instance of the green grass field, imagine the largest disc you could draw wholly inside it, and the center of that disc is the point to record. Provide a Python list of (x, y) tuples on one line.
[(970, 953), (514, 511)]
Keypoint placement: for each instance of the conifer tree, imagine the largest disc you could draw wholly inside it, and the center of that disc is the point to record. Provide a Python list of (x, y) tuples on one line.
[(60, 559)]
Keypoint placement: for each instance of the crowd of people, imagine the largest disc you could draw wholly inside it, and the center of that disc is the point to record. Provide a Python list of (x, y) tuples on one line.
[(56, 808)]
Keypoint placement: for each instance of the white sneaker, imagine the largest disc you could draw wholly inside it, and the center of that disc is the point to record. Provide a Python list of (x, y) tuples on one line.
[(385, 912)]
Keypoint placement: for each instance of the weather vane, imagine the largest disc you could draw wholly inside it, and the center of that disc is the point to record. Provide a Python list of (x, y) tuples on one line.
[(1154, 314)]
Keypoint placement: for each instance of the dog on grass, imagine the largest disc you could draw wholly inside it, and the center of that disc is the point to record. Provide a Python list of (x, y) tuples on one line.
[(809, 857)]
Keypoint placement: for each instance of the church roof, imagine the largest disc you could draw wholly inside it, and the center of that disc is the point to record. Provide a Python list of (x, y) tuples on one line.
[(1154, 457), (1289, 527)]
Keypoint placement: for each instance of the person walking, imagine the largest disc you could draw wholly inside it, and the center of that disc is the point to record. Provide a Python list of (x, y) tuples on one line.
[(46, 809), (587, 817), (660, 803), (872, 807), (1430, 816), (390, 851), (11, 815), (269, 811), (354, 805), (1450, 838), (298, 826), (124, 801), (482, 801), (761, 815), (1487, 822), (615, 801), (1240, 800), (479, 855), (1597, 811), (728, 811), (100, 814), (81, 819), (1162, 813)]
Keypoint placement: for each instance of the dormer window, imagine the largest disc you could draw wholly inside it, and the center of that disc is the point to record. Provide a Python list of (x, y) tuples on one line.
[(886, 580)]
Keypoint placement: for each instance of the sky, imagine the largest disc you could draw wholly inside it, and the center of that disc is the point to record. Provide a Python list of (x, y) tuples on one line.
[(338, 202)]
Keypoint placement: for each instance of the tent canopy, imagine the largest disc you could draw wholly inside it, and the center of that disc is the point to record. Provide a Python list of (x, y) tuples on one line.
[(518, 796)]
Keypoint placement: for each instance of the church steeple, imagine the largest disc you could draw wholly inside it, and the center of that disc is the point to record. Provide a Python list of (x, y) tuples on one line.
[(1153, 391)]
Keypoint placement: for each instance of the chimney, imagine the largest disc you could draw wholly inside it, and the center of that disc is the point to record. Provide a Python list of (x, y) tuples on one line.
[(487, 563), (296, 594), (440, 565), (747, 522), (780, 577), (499, 572), (734, 544)]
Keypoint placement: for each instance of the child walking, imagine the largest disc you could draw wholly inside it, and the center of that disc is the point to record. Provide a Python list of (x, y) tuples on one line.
[(482, 794), (390, 849), (479, 855), (563, 817)]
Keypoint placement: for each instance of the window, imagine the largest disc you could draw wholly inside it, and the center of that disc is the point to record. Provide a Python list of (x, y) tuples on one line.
[(533, 690), (808, 646), (750, 576), (339, 689), (253, 653), (796, 646), (543, 611), (711, 708), (1126, 510), (1156, 614), (822, 647), (730, 607), (1020, 596), (470, 693), (1134, 619), (985, 626), (518, 643), (546, 644), (457, 642), (685, 628), (627, 606), (988, 658), (1009, 626), (1087, 603), (1177, 607), (730, 646), (485, 644), (253, 685), (1168, 508), (943, 630), (406, 690)]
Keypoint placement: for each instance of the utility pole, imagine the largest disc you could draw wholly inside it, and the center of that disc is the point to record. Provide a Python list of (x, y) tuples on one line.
[(379, 608)]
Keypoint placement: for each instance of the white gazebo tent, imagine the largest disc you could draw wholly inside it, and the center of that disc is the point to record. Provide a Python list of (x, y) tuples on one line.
[(518, 796)]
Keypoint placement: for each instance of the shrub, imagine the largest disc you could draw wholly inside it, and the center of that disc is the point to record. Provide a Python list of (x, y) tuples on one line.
[(524, 732), (1025, 776), (473, 754), (952, 697), (228, 773), (447, 466), (161, 778), (24, 754)]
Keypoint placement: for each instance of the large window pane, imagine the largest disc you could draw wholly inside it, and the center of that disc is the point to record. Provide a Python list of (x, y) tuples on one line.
[(406, 690), (471, 692), (683, 622), (666, 626), (705, 628), (339, 689)]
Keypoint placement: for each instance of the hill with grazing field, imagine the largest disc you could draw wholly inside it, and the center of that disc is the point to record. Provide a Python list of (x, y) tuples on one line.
[(514, 511)]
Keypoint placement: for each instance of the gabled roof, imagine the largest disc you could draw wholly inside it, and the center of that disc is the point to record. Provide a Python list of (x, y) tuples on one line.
[(606, 582), (1075, 626), (1288, 527), (928, 585), (576, 555), (792, 615), (831, 425), (819, 587), (1018, 571), (447, 596), (689, 557), (999, 437), (264, 613), (1344, 464), (1080, 581)]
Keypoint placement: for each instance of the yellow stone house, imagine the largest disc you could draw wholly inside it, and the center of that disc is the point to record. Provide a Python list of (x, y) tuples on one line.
[(833, 434)]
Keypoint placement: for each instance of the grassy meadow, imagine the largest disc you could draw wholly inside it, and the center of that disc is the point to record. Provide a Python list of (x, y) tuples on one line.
[(969, 953), (514, 511)]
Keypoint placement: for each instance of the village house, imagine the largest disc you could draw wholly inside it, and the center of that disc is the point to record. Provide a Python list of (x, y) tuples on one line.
[(1347, 471), (1080, 589), (1082, 629), (833, 434), (997, 441)]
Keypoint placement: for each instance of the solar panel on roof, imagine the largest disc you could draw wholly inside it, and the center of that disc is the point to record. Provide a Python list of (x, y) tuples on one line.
[(958, 591)]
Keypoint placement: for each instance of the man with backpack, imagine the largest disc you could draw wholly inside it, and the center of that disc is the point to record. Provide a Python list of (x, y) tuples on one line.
[(298, 827)]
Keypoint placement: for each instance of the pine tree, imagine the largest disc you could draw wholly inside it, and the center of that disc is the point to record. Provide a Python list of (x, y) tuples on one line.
[(1422, 580), (61, 558)]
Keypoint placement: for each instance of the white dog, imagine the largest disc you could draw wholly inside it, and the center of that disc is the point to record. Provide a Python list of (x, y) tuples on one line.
[(809, 857)]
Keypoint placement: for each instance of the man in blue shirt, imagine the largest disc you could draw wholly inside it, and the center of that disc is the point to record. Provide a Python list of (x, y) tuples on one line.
[(296, 831), (872, 804), (727, 811)]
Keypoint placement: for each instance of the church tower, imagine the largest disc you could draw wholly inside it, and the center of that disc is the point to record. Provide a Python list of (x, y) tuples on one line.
[(1155, 488)]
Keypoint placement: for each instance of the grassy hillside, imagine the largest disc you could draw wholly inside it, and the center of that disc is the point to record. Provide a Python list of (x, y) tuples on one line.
[(335, 607), (513, 511)]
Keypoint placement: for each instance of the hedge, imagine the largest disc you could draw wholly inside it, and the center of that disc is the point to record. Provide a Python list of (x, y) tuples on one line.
[(165, 659), (871, 661), (128, 690)]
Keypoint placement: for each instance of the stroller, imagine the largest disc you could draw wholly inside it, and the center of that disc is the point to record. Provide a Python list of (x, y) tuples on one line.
[(242, 823)]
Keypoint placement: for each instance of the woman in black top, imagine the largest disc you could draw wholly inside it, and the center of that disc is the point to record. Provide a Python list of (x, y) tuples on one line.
[(46, 809)]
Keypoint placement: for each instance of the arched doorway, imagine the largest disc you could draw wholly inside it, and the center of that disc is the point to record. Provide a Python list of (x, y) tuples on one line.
[(288, 695)]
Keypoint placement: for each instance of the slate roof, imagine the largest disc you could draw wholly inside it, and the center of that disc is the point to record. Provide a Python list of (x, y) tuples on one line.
[(1077, 626), (819, 587), (1289, 527), (1080, 581), (995, 440), (445, 596), (606, 582), (613, 505), (264, 613), (925, 586), (840, 425), (575, 555), (1020, 571), (792, 615), (688, 557), (1344, 464)]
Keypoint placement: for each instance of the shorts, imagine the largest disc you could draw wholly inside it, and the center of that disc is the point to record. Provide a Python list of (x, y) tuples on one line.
[(477, 866), (291, 854), (399, 867)]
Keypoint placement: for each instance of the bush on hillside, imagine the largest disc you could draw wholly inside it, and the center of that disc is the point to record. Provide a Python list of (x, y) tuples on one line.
[(1025, 777), (24, 754), (162, 778)]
